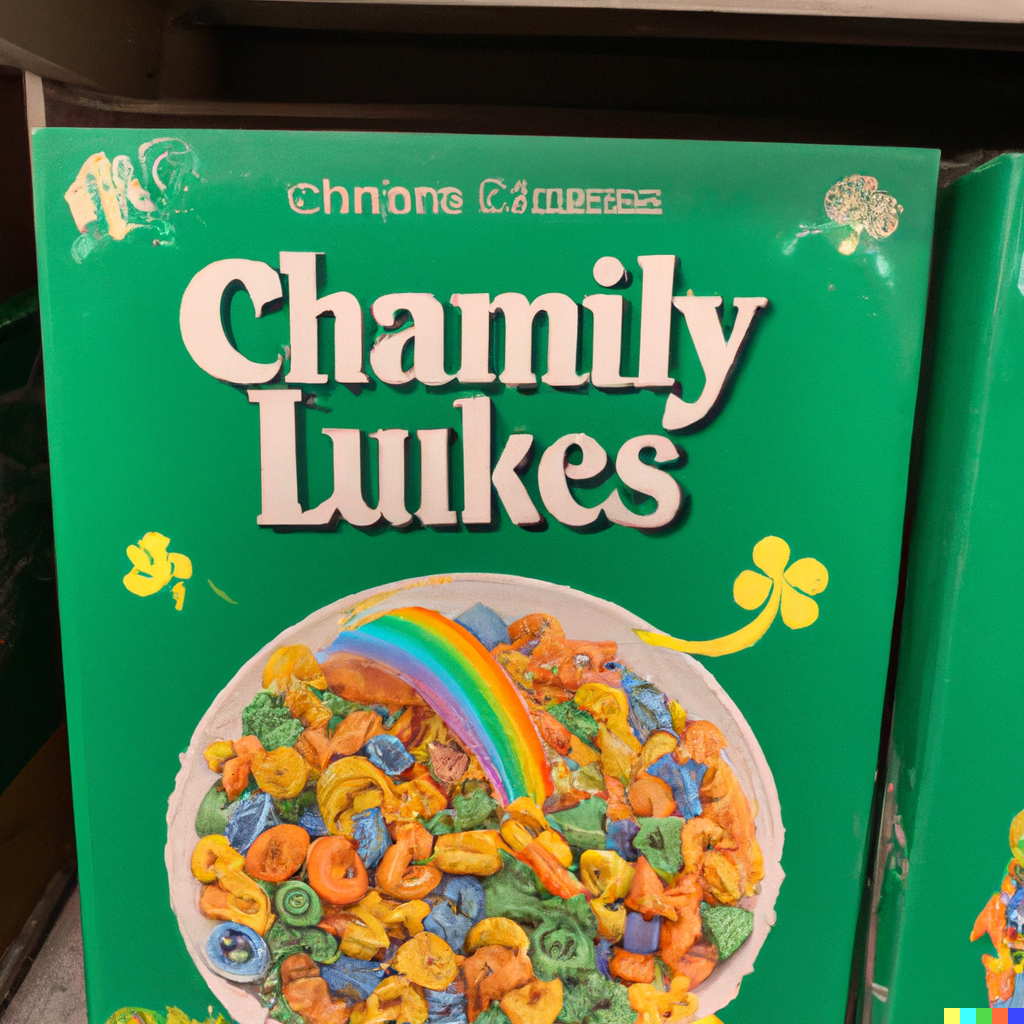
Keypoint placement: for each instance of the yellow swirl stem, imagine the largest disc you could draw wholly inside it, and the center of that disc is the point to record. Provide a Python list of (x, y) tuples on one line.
[(738, 641)]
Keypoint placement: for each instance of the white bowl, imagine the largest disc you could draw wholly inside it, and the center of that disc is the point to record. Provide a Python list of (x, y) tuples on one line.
[(584, 618)]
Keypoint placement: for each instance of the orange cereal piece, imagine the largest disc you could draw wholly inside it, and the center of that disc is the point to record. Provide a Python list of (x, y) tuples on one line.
[(651, 797), (491, 973), (647, 893), (336, 873), (632, 967), (278, 853)]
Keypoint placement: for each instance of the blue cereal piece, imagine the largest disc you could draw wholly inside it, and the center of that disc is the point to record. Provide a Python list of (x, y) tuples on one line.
[(648, 706), (371, 836), (603, 954), (446, 1007), (388, 753), (253, 817), (313, 822), (641, 936), (237, 953), (620, 836), (684, 780), (461, 905), (449, 925), (351, 978), (486, 625)]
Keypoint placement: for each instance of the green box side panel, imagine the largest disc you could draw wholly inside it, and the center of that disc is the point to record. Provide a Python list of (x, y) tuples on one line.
[(953, 779)]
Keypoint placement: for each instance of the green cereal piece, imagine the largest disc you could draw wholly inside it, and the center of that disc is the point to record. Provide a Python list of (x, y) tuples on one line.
[(583, 825), (560, 948), (441, 824), (297, 905), (596, 999), (270, 721), (473, 810), (580, 723), (727, 927), (512, 891), (214, 812), (660, 841)]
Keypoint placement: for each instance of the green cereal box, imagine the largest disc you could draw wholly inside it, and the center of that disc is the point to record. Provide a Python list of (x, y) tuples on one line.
[(477, 561), (950, 866)]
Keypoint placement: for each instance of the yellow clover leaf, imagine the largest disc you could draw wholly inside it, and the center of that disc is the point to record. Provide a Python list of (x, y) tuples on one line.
[(153, 567), (778, 588)]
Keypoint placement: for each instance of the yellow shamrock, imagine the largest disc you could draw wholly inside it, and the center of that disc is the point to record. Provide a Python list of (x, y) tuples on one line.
[(153, 567), (776, 587)]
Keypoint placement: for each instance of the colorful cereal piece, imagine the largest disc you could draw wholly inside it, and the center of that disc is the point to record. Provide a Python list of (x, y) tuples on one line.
[(536, 1002), (213, 854), (397, 875), (371, 835), (393, 1001), (335, 871), (237, 953), (448, 763), (603, 955), (388, 753), (427, 960), (576, 719), (449, 925), (490, 973), (465, 894), (469, 853), (291, 666), (275, 855), (650, 797), (447, 1006), (727, 927), (215, 811), (620, 836), (656, 1007), (313, 822), (648, 707), (684, 780), (485, 624), (598, 1000), (583, 825), (352, 979), (561, 947), (297, 905), (641, 936), (696, 963), (253, 816), (660, 841), (281, 772), (647, 893), (307, 994), (497, 931), (632, 967)]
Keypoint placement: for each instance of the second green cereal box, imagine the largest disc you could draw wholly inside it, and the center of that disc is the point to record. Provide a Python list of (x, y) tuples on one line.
[(950, 864), (477, 561)]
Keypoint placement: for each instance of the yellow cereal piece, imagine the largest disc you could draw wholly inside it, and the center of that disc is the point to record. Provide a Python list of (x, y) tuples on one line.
[(616, 756), (427, 960), (609, 707), (557, 846), (217, 753), (656, 1007), (282, 772), (497, 931), (394, 999), (657, 746), (292, 666), (469, 853), (211, 851), (536, 1002)]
